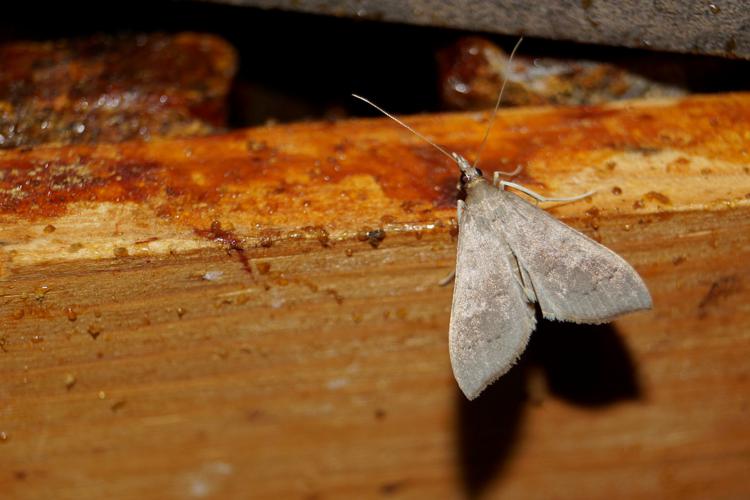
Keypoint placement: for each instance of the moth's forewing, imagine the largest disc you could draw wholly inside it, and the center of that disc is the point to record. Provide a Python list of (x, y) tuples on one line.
[(491, 318)]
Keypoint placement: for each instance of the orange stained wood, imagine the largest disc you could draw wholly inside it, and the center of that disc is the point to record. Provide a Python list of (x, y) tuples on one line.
[(260, 171), (261, 310)]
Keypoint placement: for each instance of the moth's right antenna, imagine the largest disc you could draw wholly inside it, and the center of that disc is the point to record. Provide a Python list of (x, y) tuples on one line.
[(497, 104), (386, 113)]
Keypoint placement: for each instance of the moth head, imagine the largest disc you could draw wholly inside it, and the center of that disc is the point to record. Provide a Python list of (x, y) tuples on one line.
[(468, 172)]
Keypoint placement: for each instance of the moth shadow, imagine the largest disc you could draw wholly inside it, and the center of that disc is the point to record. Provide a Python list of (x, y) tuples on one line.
[(586, 365)]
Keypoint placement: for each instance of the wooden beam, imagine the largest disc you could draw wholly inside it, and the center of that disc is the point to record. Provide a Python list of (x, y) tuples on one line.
[(258, 313), (113, 88)]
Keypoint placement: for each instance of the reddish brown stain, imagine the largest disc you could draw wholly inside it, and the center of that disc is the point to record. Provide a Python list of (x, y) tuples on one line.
[(191, 182), (39, 188), (230, 240)]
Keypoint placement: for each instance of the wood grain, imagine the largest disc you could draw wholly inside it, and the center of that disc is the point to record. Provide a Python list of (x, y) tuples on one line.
[(258, 315)]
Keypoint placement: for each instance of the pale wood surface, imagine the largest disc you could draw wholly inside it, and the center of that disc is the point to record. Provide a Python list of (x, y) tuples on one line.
[(142, 358)]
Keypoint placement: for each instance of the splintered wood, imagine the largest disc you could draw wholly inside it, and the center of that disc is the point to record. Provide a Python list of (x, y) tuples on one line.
[(258, 313)]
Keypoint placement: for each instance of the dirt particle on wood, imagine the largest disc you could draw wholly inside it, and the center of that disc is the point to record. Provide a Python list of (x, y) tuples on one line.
[(121, 252), (617, 191), (720, 290), (320, 234), (658, 197), (40, 292), (375, 237), (392, 488), (94, 330), (212, 275), (70, 381), (336, 296), (117, 405), (592, 212), (71, 313), (266, 242), (49, 228)]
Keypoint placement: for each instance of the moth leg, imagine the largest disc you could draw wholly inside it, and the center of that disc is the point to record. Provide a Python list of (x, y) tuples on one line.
[(539, 197), (496, 175)]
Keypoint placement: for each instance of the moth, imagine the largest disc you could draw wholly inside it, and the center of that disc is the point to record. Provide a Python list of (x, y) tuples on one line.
[(512, 255)]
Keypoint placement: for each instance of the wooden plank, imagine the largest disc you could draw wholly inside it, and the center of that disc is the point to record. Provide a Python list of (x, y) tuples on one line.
[(258, 314), (113, 88)]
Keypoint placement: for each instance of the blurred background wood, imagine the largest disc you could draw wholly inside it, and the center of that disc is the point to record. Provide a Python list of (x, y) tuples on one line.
[(257, 314), (696, 27), (113, 88)]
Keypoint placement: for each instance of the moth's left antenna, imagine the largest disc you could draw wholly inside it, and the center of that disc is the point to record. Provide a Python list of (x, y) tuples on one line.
[(497, 104), (386, 113)]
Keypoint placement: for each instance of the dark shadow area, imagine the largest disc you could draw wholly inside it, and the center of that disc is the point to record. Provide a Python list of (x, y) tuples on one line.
[(587, 365), (488, 429)]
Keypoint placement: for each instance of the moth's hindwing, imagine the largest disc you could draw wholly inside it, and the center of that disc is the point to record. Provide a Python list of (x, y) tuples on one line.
[(574, 277)]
